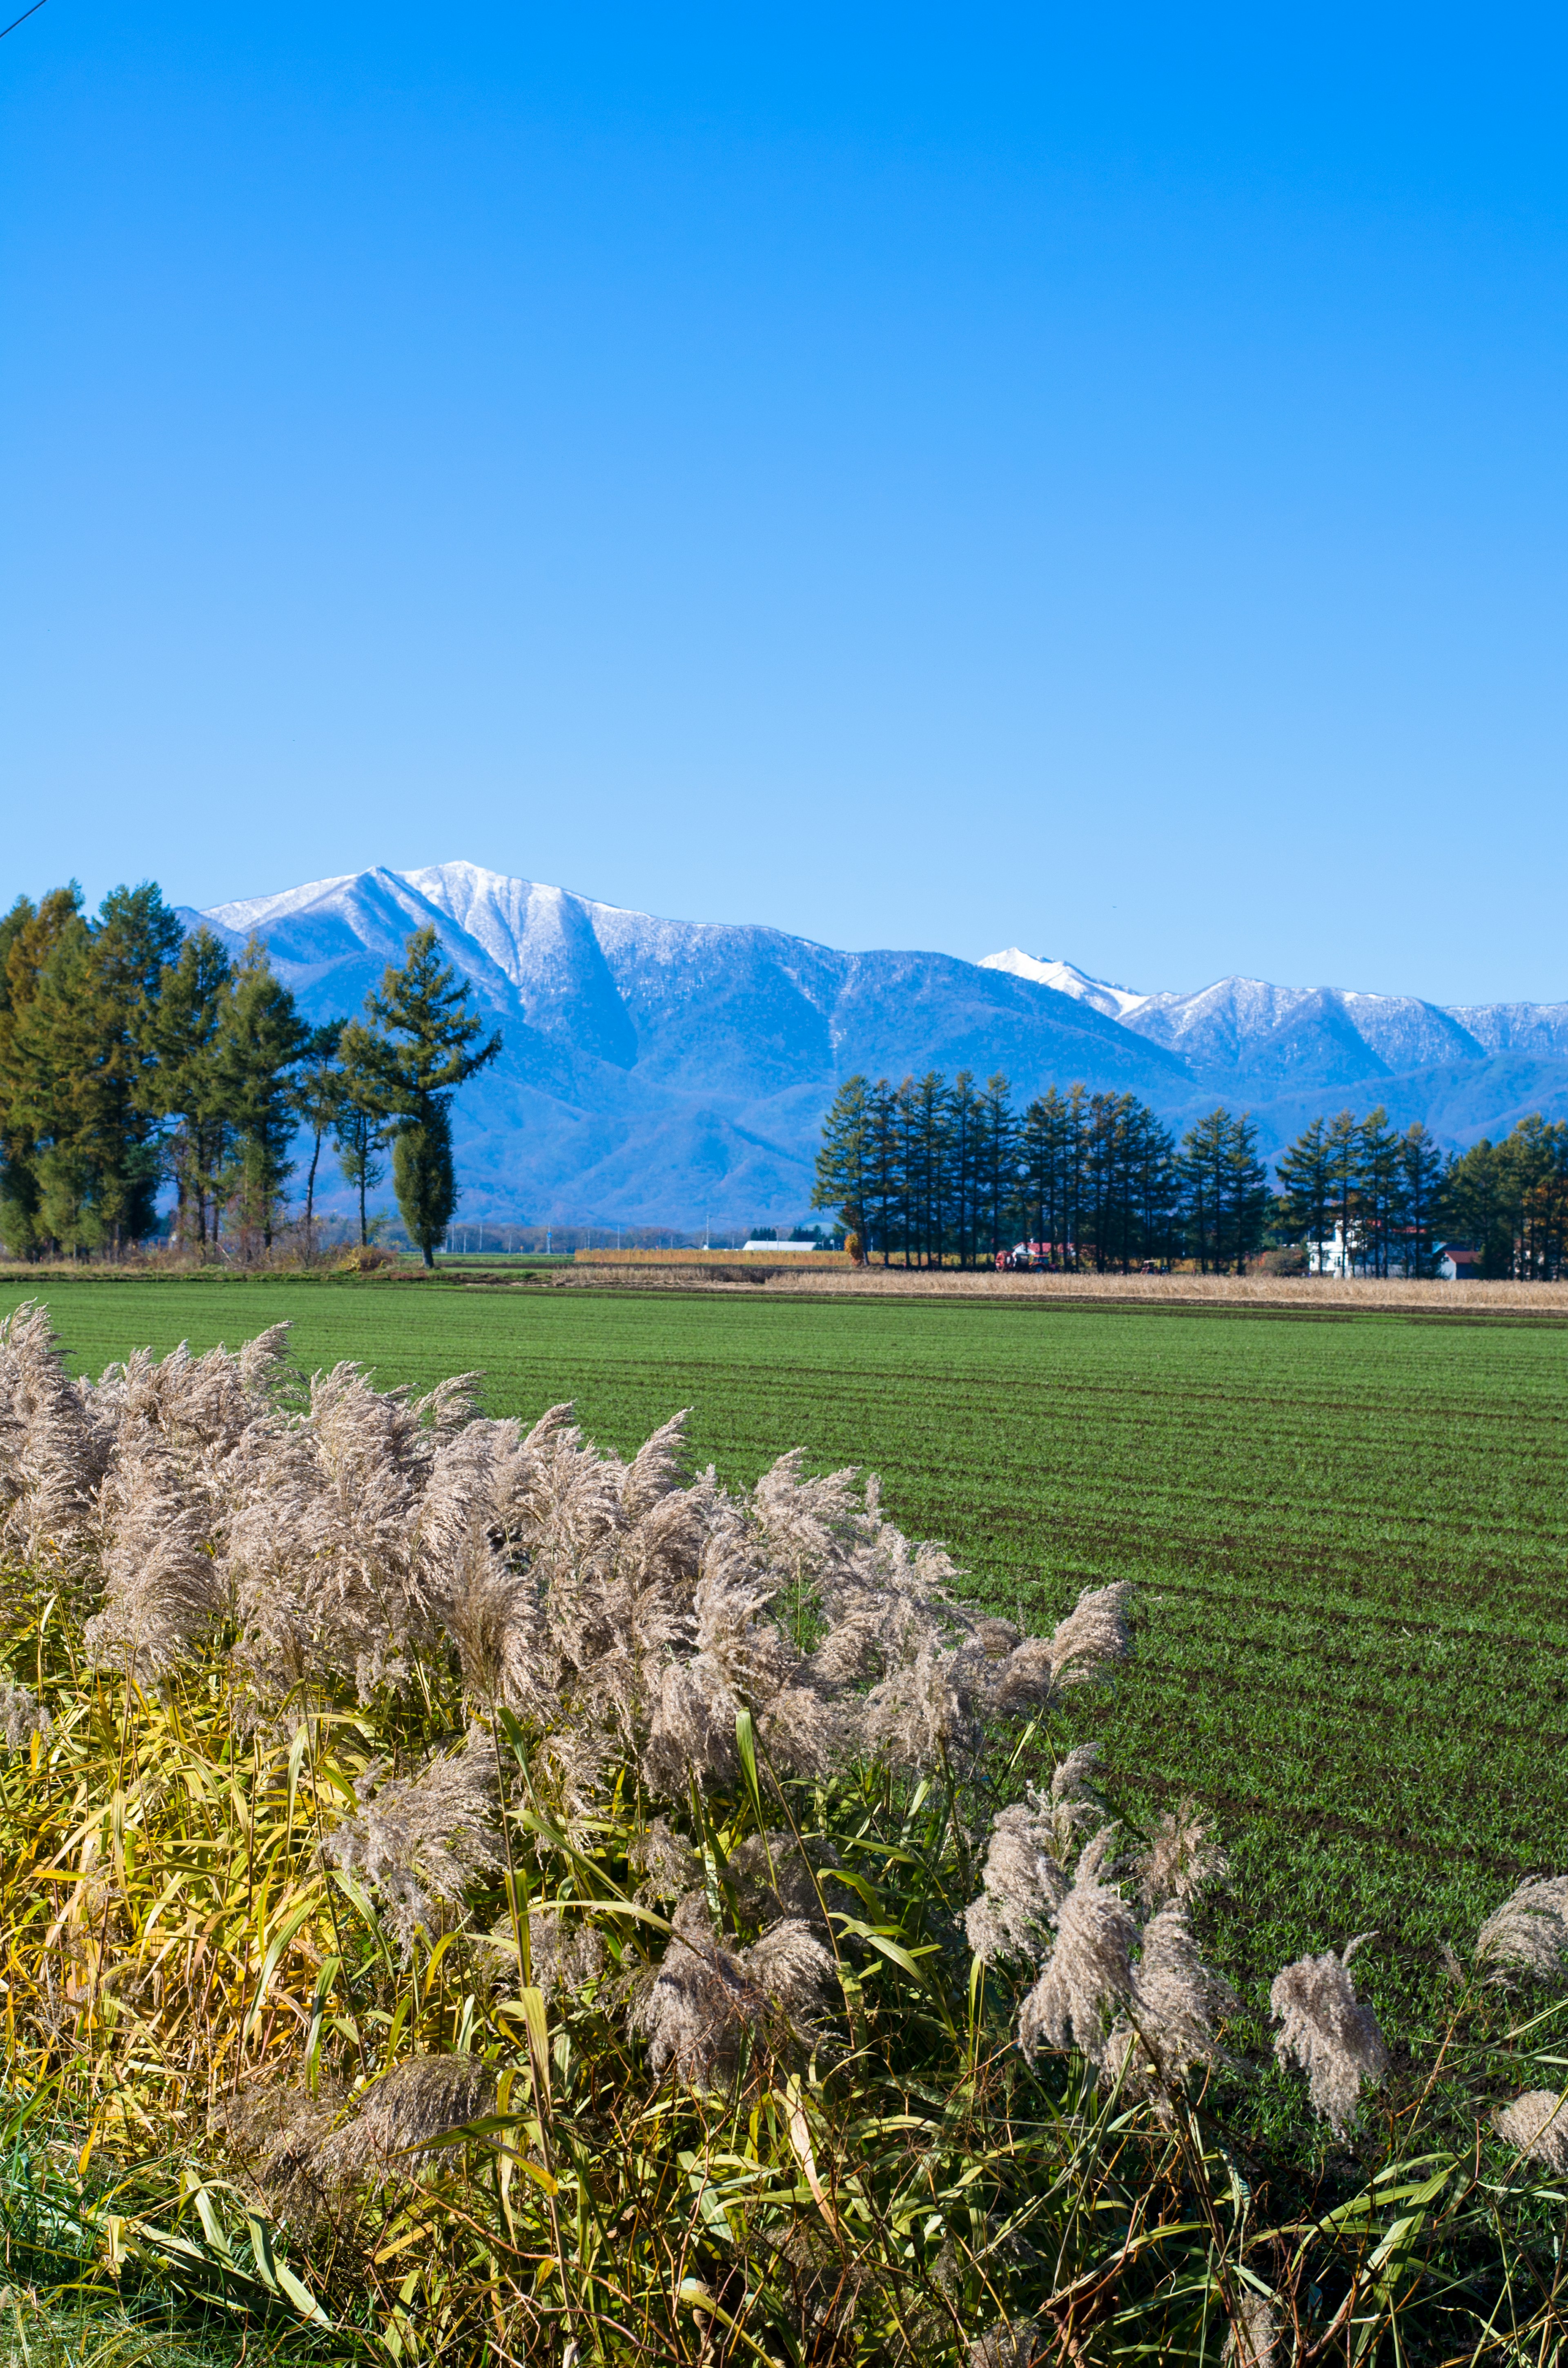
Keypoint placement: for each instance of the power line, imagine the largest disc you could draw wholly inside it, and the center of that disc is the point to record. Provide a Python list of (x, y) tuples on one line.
[(22, 19)]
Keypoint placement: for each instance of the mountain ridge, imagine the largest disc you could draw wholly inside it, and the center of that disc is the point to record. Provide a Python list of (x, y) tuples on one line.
[(667, 1071)]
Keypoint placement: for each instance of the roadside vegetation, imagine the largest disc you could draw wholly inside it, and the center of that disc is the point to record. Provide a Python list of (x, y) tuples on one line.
[(493, 1896)]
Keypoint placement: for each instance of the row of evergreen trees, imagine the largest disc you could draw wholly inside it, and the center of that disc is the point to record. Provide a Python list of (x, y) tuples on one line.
[(132, 1055), (930, 1172)]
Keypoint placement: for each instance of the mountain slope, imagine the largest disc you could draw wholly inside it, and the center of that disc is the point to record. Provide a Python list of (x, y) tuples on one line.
[(665, 1072)]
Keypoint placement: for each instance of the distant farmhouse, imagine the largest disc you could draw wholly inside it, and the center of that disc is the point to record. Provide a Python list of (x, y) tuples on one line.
[(1456, 1261)]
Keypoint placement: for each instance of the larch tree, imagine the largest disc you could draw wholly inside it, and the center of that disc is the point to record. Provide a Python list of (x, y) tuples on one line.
[(185, 1032), (317, 1097), (844, 1159), (28, 935), (261, 1043), (1307, 1175), (421, 1046)]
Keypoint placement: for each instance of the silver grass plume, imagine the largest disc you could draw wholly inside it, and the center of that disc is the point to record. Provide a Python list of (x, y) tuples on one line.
[(1182, 1860), (1529, 1932), (706, 1999), (400, 2113), (565, 1952), (1088, 1974), (419, 1840), (1170, 2025), (1333, 2035), (21, 1715), (1024, 1884), (670, 1868), (1093, 1634), (1536, 2124), (283, 2138), (774, 1878), (53, 1446), (1025, 1878), (163, 1590)]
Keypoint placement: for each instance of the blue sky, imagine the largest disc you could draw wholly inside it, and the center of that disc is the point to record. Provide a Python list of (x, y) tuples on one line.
[(1091, 479)]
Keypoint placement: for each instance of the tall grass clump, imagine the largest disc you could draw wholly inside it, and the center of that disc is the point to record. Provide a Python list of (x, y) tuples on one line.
[(466, 1895)]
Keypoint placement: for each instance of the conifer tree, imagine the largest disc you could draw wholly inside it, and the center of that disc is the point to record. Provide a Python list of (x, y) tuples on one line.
[(78, 1065), (997, 1163), (261, 1042), (844, 1159), (1307, 1173), (1422, 1173), (317, 1098), (28, 935), (419, 1048), (185, 1032), (1343, 1145)]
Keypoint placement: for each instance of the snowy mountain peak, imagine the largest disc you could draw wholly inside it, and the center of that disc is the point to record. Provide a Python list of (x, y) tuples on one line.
[(658, 1071), (1116, 1002), (1100, 993)]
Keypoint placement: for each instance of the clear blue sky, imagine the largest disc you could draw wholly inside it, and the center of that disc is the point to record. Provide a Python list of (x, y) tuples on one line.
[(1091, 478)]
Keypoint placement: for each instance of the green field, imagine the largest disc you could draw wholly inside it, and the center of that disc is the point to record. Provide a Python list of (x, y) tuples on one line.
[(1349, 1533)]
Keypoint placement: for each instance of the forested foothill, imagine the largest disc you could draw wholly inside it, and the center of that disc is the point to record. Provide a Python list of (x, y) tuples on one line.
[(929, 1172), (134, 1056)]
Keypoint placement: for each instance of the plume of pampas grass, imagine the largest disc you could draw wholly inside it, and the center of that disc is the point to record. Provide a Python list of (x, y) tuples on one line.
[(1328, 2032), (163, 1589), (282, 2137), (1176, 2004), (21, 1715), (54, 1448), (618, 1608), (1088, 1974), (1529, 1932), (1024, 1884), (1182, 1860), (705, 1998), (774, 1878), (419, 1840), (400, 2114), (670, 1868), (1537, 2124), (565, 1952)]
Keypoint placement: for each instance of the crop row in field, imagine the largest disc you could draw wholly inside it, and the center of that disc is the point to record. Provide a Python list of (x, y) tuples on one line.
[(1349, 1536)]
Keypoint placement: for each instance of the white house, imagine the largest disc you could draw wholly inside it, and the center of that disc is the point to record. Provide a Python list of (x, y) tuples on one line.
[(1456, 1263)]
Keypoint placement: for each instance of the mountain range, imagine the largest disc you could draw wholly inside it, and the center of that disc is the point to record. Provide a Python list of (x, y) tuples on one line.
[(659, 1071)]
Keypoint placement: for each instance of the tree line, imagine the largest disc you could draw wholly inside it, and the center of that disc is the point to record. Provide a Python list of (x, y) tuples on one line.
[(134, 1056), (931, 1172)]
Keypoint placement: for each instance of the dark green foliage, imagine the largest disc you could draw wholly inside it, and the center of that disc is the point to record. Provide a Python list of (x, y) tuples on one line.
[(130, 1054), (262, 1042), (76, 1067), (423, 1176), (1227, 1191), (1510, 1199), (404, 1066), (318, 1095), (928, 1173)]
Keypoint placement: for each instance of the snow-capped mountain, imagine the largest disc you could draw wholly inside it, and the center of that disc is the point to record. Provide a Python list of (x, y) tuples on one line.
[(1116, 1002), (1245, 1025), (659, 1071)]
